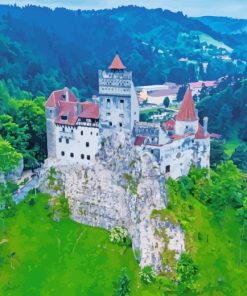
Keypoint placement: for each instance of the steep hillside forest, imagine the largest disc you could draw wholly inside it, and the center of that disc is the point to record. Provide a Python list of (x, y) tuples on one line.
[(43, 49)]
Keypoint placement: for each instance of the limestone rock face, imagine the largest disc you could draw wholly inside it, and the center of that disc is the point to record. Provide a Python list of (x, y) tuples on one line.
[(121, 188)]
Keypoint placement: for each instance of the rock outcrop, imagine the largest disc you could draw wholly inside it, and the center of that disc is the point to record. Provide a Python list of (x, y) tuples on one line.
[(121, 188)]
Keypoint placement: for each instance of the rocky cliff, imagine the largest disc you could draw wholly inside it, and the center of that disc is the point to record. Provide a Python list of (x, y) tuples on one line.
[(122, 188)]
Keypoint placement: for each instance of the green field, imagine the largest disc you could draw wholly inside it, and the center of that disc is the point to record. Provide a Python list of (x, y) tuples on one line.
[(67, 258), (60, 258)]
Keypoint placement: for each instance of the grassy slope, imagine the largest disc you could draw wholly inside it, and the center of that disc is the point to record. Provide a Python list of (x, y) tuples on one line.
[(217, 253), (51, 260)]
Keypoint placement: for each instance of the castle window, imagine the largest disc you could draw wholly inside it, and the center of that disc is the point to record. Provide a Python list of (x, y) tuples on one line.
[(121, 104), (88, 157), (97, 134), (91, 133), (120, 124), (64, 117), (63, 96), (67, 141), (63, 129), (60, 140), (108, 103), (168, 169), (72, 131), (72, 154), (81, 132), (87, 144), (110, 123), (82, 156), (62, 153)]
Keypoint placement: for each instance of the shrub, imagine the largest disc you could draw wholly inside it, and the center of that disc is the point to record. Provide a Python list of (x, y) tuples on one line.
[(147, 275), (119, 235), (123, 285)]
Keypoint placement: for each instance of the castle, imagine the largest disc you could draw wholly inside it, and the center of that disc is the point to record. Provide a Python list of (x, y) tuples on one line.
[(76, 130)]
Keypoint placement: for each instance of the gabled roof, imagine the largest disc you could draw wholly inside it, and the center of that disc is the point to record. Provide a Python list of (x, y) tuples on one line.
[(169, 124), (117, 64), (187, 111), (56, 96), (139, 141)]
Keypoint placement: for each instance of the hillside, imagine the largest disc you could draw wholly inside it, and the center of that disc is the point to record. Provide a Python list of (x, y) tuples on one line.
[(68, 48), (225, 25)]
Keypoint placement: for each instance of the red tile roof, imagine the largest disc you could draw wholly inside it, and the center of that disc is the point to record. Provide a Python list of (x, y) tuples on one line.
[(57, 96), (169, 124), (200, 84), (187, 111), (139, 141), (89, 110), (67, 107), (117, 64), (200, 134), (163, 92)]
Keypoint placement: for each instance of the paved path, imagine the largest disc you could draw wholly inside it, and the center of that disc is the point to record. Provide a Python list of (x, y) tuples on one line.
[(19, 195)]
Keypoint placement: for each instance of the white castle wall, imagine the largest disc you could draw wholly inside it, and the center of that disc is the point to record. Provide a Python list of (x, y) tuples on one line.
[(183, 127), (77, 137)]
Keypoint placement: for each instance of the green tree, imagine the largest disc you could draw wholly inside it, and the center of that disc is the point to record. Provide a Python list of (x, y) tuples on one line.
[(123, 285), (239, 157), (166, 102), (217, 153), (9, 158), (187, 272)]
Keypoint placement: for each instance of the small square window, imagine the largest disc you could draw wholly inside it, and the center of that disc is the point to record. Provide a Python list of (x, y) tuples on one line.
[(67, 141), (60, 140), (121, 101), (82, 156), (71, 154), (88, 157), (87, 144), (81, 132), (62, 153)]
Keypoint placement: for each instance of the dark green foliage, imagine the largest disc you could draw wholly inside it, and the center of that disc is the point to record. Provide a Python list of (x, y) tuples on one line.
[(187, 272), (7, 204), (226, 110), (166, 102), (217, 153), (239, 157), (123, 285)]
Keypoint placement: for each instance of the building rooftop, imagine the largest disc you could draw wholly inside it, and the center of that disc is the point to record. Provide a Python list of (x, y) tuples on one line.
[(117, 64), (187, 111)]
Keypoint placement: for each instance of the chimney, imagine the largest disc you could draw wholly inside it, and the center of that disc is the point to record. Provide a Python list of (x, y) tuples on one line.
[(77, 109), (205, 126), (66, 93)]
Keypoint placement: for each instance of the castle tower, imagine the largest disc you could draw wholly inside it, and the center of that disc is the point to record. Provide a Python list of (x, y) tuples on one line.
[(119, 107), (187, 118)]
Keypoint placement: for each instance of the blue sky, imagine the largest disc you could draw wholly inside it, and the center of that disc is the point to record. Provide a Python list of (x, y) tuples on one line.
[(232, 8)]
